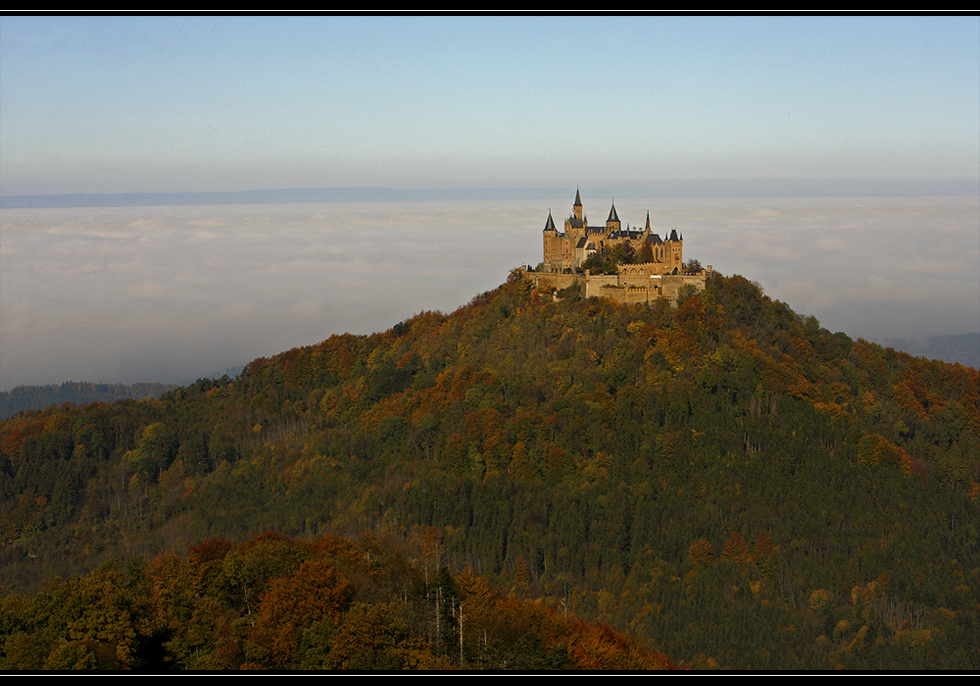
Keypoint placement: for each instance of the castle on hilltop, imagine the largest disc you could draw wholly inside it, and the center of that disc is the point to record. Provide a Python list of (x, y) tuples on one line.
[(647, 266), (570, 249)]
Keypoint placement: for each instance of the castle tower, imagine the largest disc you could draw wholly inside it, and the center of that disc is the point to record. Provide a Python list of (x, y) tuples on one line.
[(613, 223), (675, 252), (550, 224), (575, 225)]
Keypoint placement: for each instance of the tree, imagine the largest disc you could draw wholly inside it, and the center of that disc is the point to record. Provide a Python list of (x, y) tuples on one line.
[(692, 266), (645, 253), (736, 549), (699, 553)]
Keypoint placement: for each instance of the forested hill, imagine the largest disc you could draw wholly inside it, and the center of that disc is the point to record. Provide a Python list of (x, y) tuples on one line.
[(23, 398), (725, 480)]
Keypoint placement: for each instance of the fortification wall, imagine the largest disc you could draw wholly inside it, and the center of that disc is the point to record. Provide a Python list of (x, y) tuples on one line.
[(547, 280), (622, 294), (672, 284), (622, 287)]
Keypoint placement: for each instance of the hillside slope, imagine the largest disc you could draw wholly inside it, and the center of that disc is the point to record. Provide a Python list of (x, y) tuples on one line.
[(726, 480), (273, 602)]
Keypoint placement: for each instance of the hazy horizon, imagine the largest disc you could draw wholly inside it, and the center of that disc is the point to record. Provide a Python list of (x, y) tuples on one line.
[(659, 188), (169, 294)]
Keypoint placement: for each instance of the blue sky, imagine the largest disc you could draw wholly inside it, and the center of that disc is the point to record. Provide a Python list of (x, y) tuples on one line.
[(132, 104)]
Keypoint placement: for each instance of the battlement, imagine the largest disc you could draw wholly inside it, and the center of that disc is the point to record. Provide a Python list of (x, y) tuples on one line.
[(620, 287)]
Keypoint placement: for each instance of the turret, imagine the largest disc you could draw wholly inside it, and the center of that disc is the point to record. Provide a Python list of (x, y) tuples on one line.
[(550, 224), (613, 223), (675, 254), (576, 222)]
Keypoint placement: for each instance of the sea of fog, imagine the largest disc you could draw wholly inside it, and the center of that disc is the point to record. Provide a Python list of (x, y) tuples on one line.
[(173, 293)]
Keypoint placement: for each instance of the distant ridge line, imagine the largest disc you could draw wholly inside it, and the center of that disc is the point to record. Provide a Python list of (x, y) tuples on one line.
[(264, 197), (673, 188)]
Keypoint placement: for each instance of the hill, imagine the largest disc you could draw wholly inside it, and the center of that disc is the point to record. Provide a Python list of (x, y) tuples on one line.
[(724, 479), (23, 398)]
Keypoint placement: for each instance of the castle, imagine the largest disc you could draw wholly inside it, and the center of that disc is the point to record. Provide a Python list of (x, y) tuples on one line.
[(570, 249), (648, 267)]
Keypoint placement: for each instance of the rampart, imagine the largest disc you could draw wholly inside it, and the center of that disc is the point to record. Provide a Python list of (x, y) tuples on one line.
[(630, 285)]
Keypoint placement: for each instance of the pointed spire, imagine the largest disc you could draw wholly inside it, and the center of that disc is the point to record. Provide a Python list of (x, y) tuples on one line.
[(613, 217), (550, 224), (577, 211), (647, 229)]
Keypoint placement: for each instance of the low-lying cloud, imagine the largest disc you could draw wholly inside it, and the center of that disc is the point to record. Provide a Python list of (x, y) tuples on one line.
[(124, 294)]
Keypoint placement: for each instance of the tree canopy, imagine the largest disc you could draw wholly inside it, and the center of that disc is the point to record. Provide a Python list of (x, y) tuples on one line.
[(725, 480)]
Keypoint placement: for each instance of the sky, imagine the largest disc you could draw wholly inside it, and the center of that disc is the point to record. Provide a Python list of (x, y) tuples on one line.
[(137, 104), (835, 160)]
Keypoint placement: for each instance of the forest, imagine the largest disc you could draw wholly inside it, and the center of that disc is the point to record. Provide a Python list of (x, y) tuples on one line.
[(720, 484), (277, 603)]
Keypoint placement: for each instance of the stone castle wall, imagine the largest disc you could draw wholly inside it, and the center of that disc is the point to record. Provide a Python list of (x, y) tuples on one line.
[(628, 287)]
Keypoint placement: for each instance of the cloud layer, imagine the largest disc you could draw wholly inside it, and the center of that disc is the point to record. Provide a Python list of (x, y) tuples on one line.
[(173, 293)]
